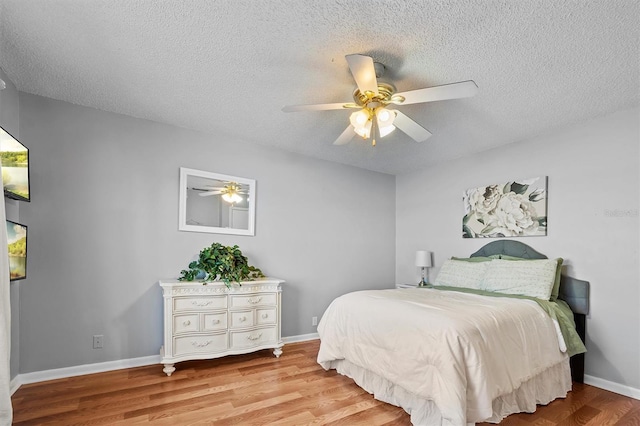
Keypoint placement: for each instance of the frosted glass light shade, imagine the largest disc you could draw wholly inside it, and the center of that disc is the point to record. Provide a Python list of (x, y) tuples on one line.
[(385, 117), (384, 131), (423, 259), (361, 122), (359, 118), (232, 197)]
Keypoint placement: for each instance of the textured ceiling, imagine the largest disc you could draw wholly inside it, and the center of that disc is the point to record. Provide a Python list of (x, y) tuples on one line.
[(227, 67)]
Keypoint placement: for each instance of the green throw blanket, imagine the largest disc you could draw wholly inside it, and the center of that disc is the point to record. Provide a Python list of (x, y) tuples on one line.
[(558, 310)]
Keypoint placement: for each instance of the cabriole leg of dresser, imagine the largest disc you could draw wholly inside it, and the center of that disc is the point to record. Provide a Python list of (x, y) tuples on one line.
[(169, 368), (277, 352)]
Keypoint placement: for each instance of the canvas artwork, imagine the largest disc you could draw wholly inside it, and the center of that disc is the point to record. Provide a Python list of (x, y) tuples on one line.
[(511, 209), (17, 245), (14, 158)]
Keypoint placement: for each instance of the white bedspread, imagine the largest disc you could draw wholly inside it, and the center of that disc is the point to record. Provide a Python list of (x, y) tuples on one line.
[(459, 350)]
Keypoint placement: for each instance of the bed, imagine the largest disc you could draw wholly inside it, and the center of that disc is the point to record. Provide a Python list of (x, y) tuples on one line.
[(454, 354)]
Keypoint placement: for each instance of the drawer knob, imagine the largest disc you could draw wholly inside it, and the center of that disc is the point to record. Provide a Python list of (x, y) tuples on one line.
[(186, 323), (242, 319), (201, 344), (254, 337), (256, 300), (215, 321), (265, 316)]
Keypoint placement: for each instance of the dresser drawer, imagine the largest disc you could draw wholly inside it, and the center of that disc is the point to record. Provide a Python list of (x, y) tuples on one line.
[(200, 344), (257, 337), (266, 316), (253, 300), (199, 303), (241, 319), (213, 322), (185, 323)]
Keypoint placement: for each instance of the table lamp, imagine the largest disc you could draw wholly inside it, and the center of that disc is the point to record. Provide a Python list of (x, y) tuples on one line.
[(423, 261)]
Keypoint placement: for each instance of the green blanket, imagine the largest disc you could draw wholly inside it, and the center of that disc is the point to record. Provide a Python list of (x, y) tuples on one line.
[(558, 310)]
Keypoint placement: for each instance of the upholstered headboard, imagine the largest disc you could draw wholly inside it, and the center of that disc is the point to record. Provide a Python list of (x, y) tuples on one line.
[(573, 291), (509, 248)]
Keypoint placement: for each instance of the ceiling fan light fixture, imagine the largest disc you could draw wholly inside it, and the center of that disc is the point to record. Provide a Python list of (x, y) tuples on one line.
[(231, 197), (364, 131), (230, 193), (385, 118), (359, 118), (361, 122)]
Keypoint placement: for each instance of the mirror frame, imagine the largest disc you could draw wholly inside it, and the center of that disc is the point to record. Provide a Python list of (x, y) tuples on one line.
[(182, 212)]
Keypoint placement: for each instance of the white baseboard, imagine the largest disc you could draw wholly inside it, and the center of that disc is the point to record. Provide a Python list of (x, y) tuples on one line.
[(15, 384), (301, 338), (612, 386), (80, 370)]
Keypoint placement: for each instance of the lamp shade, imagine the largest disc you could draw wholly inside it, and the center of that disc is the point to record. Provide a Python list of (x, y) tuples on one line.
[(423, 259)]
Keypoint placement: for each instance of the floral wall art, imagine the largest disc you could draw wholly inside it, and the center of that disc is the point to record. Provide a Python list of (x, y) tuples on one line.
[(512, 209)]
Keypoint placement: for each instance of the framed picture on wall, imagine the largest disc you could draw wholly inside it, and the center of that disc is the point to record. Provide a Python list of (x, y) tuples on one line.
[(17, 245), (14, 158), (517, 208)]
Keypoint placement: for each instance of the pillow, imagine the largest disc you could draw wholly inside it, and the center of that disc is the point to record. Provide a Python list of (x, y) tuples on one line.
[(555, 291), (533, 278), (556, 284), (473, 259), (460, 273)]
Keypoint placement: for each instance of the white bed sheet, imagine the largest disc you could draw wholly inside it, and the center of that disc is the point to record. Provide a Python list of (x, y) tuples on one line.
[(460, 353)]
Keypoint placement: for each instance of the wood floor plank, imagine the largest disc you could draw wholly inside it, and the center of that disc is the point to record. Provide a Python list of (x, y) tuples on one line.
[(613, 408), (632, 418), (259, 389)]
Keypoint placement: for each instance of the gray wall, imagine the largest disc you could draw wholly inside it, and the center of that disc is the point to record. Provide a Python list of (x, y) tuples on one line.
[(103, 229), (9, 120), (593, 191)]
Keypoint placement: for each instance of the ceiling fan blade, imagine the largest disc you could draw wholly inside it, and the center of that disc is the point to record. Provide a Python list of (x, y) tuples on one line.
[(346, 136), (318, 107), (208, 194), (364, 73), (410, 127), (463, 89)]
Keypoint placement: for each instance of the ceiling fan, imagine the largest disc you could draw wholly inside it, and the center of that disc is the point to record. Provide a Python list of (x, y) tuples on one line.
[(372, 97), (230, 192)]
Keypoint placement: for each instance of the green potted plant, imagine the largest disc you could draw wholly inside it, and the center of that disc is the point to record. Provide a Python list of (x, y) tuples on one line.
[(221, 263)]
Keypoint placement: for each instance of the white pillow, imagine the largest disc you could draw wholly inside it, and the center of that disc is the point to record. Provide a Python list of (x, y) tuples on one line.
[(459, 273), (533, 278)]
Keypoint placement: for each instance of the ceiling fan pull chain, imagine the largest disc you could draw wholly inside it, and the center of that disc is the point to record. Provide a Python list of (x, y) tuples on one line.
[(374, 130)]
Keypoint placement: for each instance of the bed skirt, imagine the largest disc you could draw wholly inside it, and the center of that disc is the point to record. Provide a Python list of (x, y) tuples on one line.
[(552, 383)]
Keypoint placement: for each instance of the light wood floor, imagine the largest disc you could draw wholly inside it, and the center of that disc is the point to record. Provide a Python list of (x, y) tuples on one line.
[(260, 389)]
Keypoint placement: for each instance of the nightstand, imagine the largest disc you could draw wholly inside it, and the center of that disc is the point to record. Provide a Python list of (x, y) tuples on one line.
[(429, 285), (407, 285)]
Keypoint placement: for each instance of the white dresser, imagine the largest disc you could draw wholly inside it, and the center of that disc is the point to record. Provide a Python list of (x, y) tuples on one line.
[(203, 321)]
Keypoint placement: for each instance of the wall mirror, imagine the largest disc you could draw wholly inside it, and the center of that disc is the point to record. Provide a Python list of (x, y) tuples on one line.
[(216, 203)]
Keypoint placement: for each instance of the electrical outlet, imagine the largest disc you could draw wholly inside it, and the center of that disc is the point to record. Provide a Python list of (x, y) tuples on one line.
[(314, 320), (97, 341)]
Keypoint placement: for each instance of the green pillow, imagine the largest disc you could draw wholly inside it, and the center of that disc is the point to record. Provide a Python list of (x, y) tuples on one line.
[(555, 291), (556, 284)]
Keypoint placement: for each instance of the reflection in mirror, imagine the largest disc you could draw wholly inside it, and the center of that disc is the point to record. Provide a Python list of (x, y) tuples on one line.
[(217, 203)]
